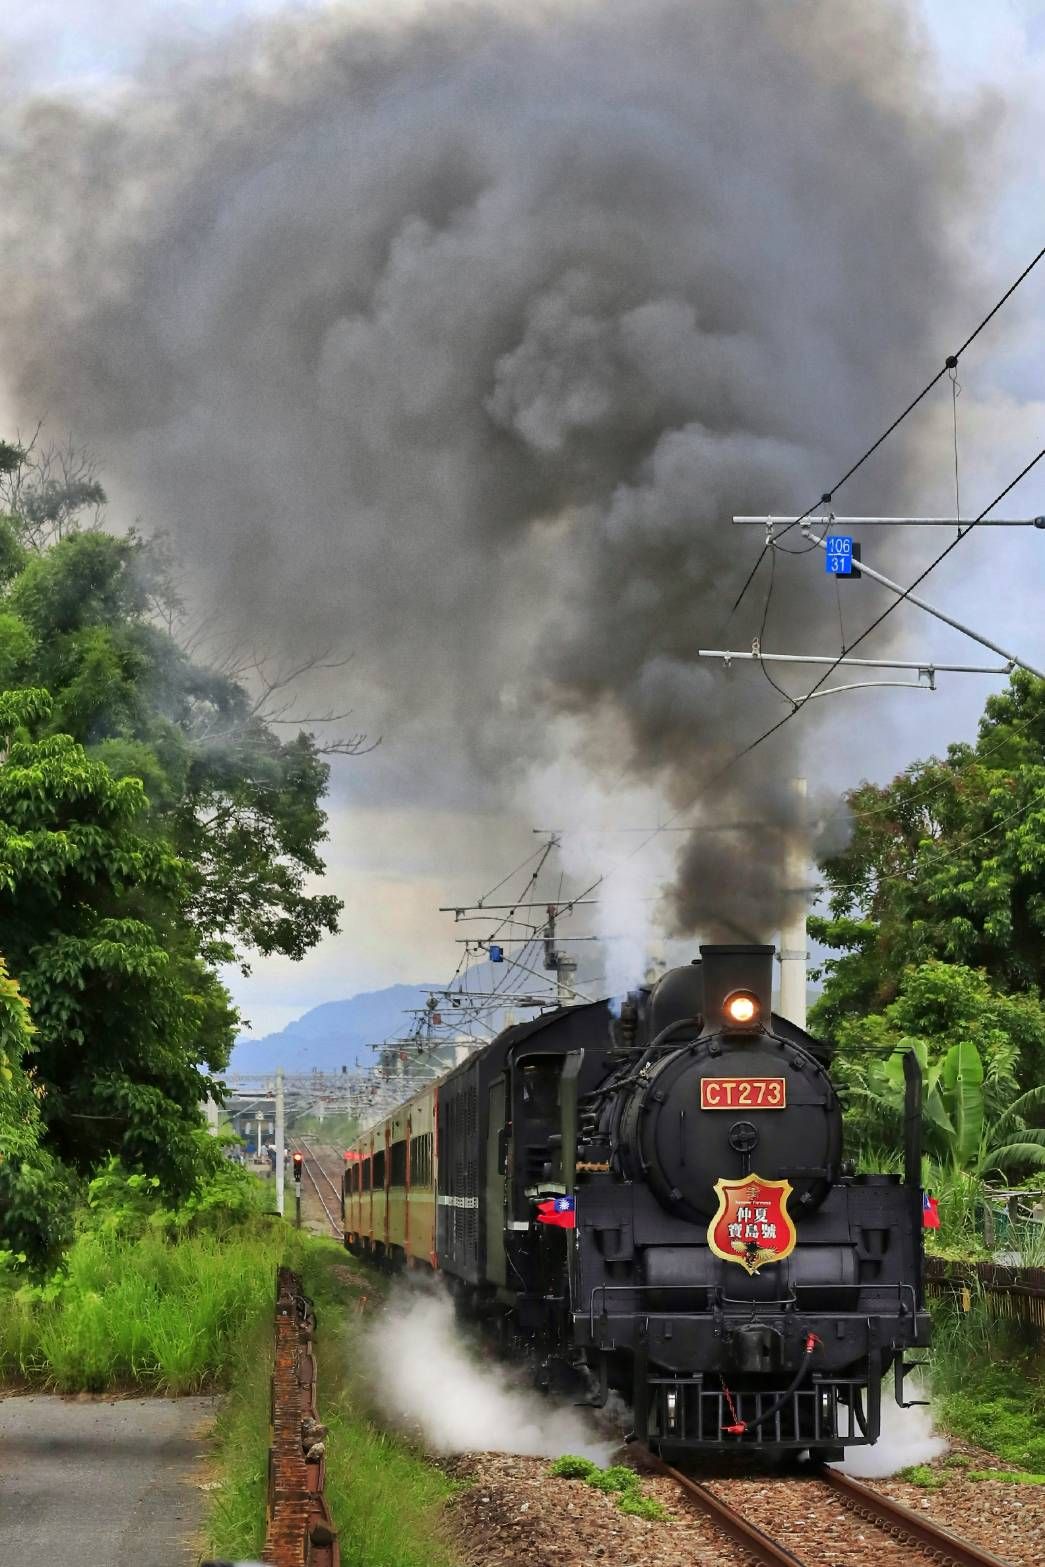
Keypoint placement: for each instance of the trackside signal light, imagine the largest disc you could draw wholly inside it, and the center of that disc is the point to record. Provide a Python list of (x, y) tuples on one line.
[(741, 1008), (298, 1162)]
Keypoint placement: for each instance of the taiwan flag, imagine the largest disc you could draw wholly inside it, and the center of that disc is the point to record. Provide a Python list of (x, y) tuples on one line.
[(561, 1211), (930, 1212)]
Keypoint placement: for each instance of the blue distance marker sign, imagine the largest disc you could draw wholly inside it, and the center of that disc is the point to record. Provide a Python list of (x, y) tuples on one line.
[(838, 562)]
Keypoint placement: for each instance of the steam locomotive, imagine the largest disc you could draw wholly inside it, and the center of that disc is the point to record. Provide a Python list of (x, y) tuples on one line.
[(657, 1202)]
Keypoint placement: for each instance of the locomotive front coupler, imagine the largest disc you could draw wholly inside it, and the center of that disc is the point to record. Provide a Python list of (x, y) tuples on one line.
[(755, 1347)]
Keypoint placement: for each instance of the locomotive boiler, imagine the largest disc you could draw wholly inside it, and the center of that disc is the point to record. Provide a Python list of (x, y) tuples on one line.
[(657, 1202)]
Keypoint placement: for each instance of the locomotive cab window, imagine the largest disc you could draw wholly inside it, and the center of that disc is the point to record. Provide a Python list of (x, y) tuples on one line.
[(539, 1088), (536, 1122)]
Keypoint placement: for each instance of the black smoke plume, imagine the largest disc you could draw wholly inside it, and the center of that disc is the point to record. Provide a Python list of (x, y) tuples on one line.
[(457, 339)]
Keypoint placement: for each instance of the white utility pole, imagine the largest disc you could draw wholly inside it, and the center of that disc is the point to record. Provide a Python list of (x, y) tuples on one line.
[(280, 1136), (793, 954)]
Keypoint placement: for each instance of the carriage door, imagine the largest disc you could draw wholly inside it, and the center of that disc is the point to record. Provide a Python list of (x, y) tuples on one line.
[(496, 1149)]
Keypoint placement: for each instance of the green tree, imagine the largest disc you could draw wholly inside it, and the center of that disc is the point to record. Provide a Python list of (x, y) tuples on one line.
[(34, 1192), (153, 824), (130, 1022), (969, 1040), (241, 806), (945, 863)]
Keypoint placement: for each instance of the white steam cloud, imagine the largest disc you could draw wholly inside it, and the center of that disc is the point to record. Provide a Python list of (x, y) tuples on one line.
[(589, 810), (428, 1380), (907, 1438)]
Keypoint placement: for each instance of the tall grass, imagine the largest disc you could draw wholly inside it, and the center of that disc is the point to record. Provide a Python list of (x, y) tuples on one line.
[(988, 1377), (143, 1312), (236, 1512)]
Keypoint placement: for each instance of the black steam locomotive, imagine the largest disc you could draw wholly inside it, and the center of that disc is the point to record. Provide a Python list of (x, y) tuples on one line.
[(657, 1202)]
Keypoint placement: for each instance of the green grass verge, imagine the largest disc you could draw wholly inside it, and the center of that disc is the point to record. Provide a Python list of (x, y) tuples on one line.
[(235, 1524), (1006, 1476), (387, 1501), (922, 1475)]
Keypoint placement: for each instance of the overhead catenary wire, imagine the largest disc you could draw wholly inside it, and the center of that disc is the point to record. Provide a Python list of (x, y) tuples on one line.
[(950, 363), (774, 728)]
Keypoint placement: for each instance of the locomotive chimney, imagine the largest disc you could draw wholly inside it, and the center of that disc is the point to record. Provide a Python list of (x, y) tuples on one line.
[(728, 970)]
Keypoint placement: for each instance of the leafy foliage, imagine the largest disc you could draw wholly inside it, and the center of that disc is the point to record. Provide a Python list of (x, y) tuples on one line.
[(237, 803), (152, 826), (32, 1187), (946, 862), (936, 910), (130, 1022), (969, 1041), (132, 1310)]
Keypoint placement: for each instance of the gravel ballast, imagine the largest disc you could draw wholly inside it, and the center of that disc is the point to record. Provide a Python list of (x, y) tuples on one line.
[(512, 1511)]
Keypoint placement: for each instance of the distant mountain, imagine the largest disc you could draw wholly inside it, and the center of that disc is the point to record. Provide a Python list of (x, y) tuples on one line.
[(336, 1034), (340, 1033)]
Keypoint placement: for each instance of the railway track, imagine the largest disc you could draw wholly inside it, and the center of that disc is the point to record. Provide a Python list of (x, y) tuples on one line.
[(910, 1538), (324, 1188)]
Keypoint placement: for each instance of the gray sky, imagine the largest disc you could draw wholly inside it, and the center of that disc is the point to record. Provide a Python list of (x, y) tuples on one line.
[(393, 863)]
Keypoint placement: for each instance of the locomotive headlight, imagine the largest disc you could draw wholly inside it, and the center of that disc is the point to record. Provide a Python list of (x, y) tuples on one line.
[(741, 1008)]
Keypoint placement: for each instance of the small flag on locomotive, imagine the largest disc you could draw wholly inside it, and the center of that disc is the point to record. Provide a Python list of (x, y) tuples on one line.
[(560, 1211)]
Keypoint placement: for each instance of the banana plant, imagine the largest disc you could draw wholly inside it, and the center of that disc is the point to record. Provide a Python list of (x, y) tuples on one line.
[(934, 1107), (978, 1144), (956, 1111), (961, 1083)]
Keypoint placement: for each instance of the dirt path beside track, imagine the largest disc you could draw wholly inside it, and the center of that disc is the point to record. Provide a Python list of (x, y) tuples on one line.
[(102, 1482)]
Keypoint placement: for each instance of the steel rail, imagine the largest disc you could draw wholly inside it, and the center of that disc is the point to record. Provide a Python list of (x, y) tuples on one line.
[(308, 1162), (899, 1520), (748, 1536), (312, 1150)]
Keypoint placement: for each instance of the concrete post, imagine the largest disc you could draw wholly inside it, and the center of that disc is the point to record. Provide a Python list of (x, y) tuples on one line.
[(280, 1138), (793, 938)]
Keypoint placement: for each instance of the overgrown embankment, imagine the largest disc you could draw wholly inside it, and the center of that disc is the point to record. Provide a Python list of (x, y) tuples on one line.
[(146, 1297), (989, 1382), (178, 1300), (387, 1502)]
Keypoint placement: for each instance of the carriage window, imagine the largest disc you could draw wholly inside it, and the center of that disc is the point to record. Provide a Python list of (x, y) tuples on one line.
[(367, 1174), (398, 1165), (379, 1170), (421, 1160)]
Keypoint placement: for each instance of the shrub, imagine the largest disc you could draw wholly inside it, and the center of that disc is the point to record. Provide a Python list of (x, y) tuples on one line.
[(644, 1507), (570, 1467), (921, 1474)]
